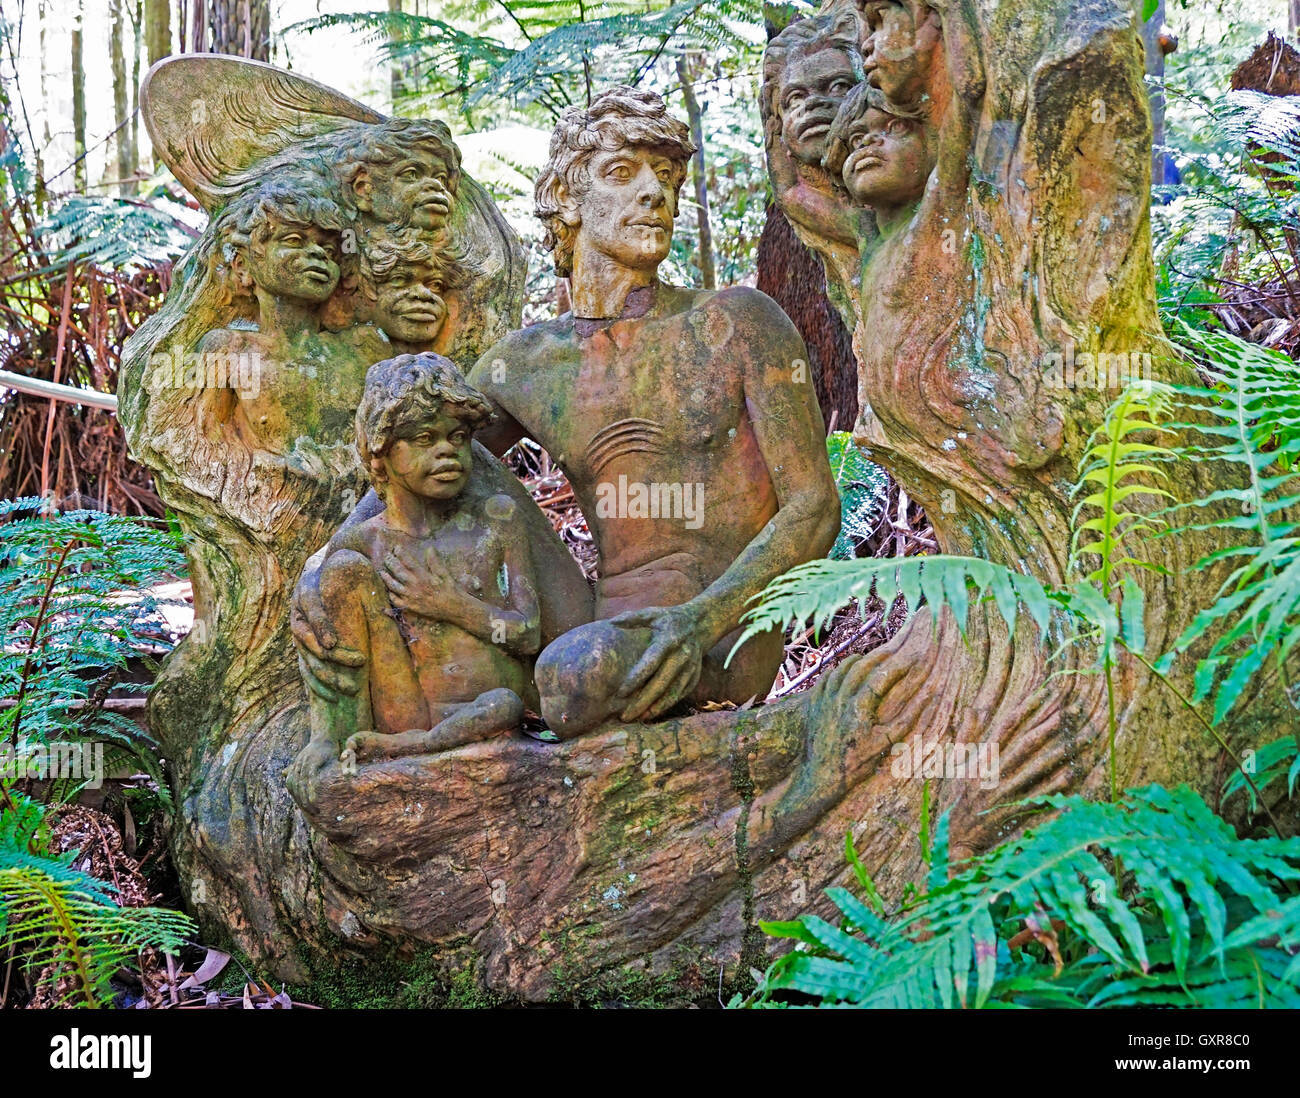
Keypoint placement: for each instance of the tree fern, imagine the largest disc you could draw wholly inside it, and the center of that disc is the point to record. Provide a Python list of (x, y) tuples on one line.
[(549, 53), (863, 486), (62, 924), (74, 610), (1250, 421), (1042, 921)]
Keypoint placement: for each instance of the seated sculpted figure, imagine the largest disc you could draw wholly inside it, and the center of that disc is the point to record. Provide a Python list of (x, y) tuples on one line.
[(456, 671), (281, 244), (685, 420)]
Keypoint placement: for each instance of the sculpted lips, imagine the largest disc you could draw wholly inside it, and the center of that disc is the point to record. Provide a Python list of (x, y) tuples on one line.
[(317, 273), (447, 472), (814, 127), (865, 162), (421, 313)]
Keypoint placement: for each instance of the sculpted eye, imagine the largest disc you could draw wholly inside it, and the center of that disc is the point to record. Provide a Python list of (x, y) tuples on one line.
[(459, 438), (897, 126), (841, 87), (293, 238)]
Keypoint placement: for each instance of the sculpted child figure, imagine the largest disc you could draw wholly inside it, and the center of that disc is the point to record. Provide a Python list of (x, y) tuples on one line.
[(459, 670), (404, 275), (281, 254), (405, 172)]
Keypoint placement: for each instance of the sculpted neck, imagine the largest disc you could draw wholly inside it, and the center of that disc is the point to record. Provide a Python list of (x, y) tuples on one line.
[(285, 315), (599, 286)]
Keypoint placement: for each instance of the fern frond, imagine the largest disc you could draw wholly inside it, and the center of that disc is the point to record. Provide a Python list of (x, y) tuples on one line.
[(1213, 923), (1250, 422), (812, 593)]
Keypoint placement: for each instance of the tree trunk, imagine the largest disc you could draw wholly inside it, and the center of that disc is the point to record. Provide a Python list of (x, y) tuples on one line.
[(78, 102), (790, 273), (1155, 66), (241, 28), (137, 44), (117, 64), (397, 70), (695, 116), (158, 29)]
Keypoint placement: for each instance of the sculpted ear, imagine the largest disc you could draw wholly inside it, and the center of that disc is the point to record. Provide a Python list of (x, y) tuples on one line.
[(568, 204), (362, 190), (239, 267)]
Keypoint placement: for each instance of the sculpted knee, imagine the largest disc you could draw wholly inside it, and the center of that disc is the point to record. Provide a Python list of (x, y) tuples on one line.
[(579, 675)]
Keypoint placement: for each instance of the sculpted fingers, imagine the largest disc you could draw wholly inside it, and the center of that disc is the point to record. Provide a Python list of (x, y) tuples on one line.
[(657, 688)]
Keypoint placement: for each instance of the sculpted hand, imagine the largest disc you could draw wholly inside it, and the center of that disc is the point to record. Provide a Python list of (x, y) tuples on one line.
[(328, 668), (419, 584), (670, 667)]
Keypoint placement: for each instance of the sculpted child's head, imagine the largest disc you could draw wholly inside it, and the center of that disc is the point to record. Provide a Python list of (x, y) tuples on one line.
[(415, 423), (613, 180), (404, 172), (283, 237), (808, 69), (900, 38), (403, 275), (882, 156)]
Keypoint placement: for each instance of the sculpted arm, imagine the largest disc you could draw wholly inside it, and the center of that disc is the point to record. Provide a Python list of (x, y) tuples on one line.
[(783, 409), (787, 421)]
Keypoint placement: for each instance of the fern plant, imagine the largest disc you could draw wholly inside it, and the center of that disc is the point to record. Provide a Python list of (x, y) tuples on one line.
[(1042, 920), (75, 609), (863, 487), (1250, 420), (549, 54), (62, 924)]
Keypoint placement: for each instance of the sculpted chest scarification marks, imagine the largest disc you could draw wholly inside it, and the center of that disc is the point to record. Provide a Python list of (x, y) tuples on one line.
[(625, 436)]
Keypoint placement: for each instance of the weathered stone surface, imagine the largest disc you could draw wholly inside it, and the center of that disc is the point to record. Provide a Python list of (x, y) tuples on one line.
[(647, 844)]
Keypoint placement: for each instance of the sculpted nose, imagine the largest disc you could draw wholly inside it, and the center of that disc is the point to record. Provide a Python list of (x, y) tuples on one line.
[(650, 190)]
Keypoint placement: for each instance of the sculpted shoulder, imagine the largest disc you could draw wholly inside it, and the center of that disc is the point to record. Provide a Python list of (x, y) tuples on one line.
[(523, 345), (737, 301)]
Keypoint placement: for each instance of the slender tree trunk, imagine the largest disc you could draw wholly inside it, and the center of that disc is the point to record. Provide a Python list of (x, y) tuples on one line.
[(396, 72), (1155, 66), (78, 102), (38, 195), (1292, 19), (158, 29), (117, 63), (137, 45), (695, 116)]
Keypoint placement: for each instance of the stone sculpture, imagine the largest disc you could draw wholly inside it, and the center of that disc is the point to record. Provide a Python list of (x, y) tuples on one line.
[(456, 673), (977, 212)]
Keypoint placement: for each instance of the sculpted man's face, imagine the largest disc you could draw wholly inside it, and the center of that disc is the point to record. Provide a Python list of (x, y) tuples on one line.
[(298, 262), (431, 460), (813, 88), (410, 307), (887, 164), (627, 208), (417, 189), (896, 52)]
